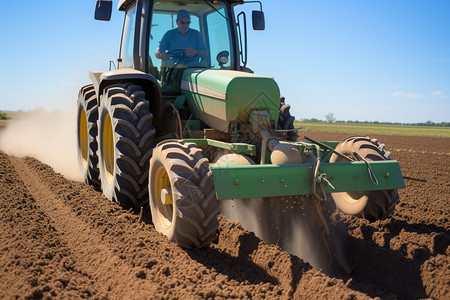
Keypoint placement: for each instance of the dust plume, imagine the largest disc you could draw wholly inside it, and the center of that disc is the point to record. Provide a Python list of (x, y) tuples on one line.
[(47, 136), (291, 223)]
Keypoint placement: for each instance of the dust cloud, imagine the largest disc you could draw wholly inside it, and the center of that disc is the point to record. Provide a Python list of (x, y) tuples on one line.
[(291, 223), (47, 136)]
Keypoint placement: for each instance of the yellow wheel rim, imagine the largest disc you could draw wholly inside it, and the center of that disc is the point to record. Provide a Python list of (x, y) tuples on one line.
[(83, 138), (108, 149), (161, 184), (351, 197)]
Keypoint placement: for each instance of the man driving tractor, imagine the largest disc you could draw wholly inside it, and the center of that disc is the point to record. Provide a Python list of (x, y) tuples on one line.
[(186, 42)]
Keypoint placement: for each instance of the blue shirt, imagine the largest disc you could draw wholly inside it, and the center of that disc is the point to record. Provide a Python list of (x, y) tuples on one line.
[(173, 40)]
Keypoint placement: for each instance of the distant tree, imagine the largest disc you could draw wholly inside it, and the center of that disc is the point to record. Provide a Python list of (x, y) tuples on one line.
[(3, 116), (330, 117)]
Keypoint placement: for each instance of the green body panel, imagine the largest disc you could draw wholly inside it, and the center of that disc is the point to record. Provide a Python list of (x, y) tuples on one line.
[(218, 97), (235, 182), (236, 147)]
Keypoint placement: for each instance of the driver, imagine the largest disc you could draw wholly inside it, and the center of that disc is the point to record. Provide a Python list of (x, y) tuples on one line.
[(183, 38)]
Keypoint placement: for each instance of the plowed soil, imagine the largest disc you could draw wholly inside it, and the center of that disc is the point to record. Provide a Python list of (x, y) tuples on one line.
[(63, 239)]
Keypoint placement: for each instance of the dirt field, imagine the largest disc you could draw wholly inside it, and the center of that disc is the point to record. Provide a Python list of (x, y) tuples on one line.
[(62, 239)]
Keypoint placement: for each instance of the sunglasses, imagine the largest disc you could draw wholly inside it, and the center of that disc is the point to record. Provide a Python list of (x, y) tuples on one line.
[(185, 23)]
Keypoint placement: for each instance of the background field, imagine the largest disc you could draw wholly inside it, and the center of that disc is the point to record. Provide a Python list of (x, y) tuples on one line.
[(375, 129)]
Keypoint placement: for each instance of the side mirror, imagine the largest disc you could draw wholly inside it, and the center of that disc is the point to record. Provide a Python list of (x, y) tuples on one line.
[(258, 20), (103, 10)]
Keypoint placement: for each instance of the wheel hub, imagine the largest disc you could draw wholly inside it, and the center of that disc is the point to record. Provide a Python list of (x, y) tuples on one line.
[(108, 149), (83, 138), (166, 196), (163, 191)]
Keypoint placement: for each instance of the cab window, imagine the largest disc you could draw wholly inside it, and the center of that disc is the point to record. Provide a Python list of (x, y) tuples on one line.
[(210, 20), (126, 50)]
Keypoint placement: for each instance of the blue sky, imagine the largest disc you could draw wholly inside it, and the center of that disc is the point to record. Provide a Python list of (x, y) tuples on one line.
[(361, 60)]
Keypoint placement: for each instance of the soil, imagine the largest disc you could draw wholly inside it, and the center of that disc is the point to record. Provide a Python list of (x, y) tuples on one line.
[(62, 239)]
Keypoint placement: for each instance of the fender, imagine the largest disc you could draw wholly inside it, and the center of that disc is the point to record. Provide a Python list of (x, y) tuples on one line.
[(101, 80)]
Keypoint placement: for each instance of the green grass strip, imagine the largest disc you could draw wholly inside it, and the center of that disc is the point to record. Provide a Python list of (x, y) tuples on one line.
[(354, 128)]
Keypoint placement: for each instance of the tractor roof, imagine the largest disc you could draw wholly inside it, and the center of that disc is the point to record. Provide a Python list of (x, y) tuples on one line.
[(123, 4)]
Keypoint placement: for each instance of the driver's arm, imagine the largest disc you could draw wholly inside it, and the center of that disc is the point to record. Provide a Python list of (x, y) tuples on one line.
[(203, 53), (191, 52), (162, 55), (164, 46)]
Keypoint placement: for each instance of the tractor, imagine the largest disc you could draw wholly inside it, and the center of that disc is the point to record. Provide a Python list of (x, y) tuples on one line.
[(191, 138)]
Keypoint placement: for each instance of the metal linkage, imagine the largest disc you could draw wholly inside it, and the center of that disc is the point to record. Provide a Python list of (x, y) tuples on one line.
[(320, 178), (329, 148), (372, 176)]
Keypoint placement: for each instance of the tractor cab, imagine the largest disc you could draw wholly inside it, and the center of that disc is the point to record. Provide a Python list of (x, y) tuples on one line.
[(209, 34), (215, 38)]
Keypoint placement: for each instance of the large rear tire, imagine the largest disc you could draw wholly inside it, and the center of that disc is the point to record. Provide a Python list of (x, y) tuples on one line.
[(371, 205), (126, 139), (183, 201), (87, 130)]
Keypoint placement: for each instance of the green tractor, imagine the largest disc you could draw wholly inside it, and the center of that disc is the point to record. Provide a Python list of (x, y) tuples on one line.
[(190, 134)]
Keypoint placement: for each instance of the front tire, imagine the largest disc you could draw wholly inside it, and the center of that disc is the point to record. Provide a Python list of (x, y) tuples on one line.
[(182, 198), (371, 205), (87, 131), (126, 139)]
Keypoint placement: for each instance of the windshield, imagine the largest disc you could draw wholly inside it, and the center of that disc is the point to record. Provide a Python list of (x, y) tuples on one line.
[(189, 34)]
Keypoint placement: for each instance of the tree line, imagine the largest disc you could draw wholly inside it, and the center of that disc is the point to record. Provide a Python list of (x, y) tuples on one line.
[(329, 118)]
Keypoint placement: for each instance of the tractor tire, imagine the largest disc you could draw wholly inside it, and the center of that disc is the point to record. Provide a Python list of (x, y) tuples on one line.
[(371, 205), (126, 140), (182, 197), (286, 120), (87, 130)]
